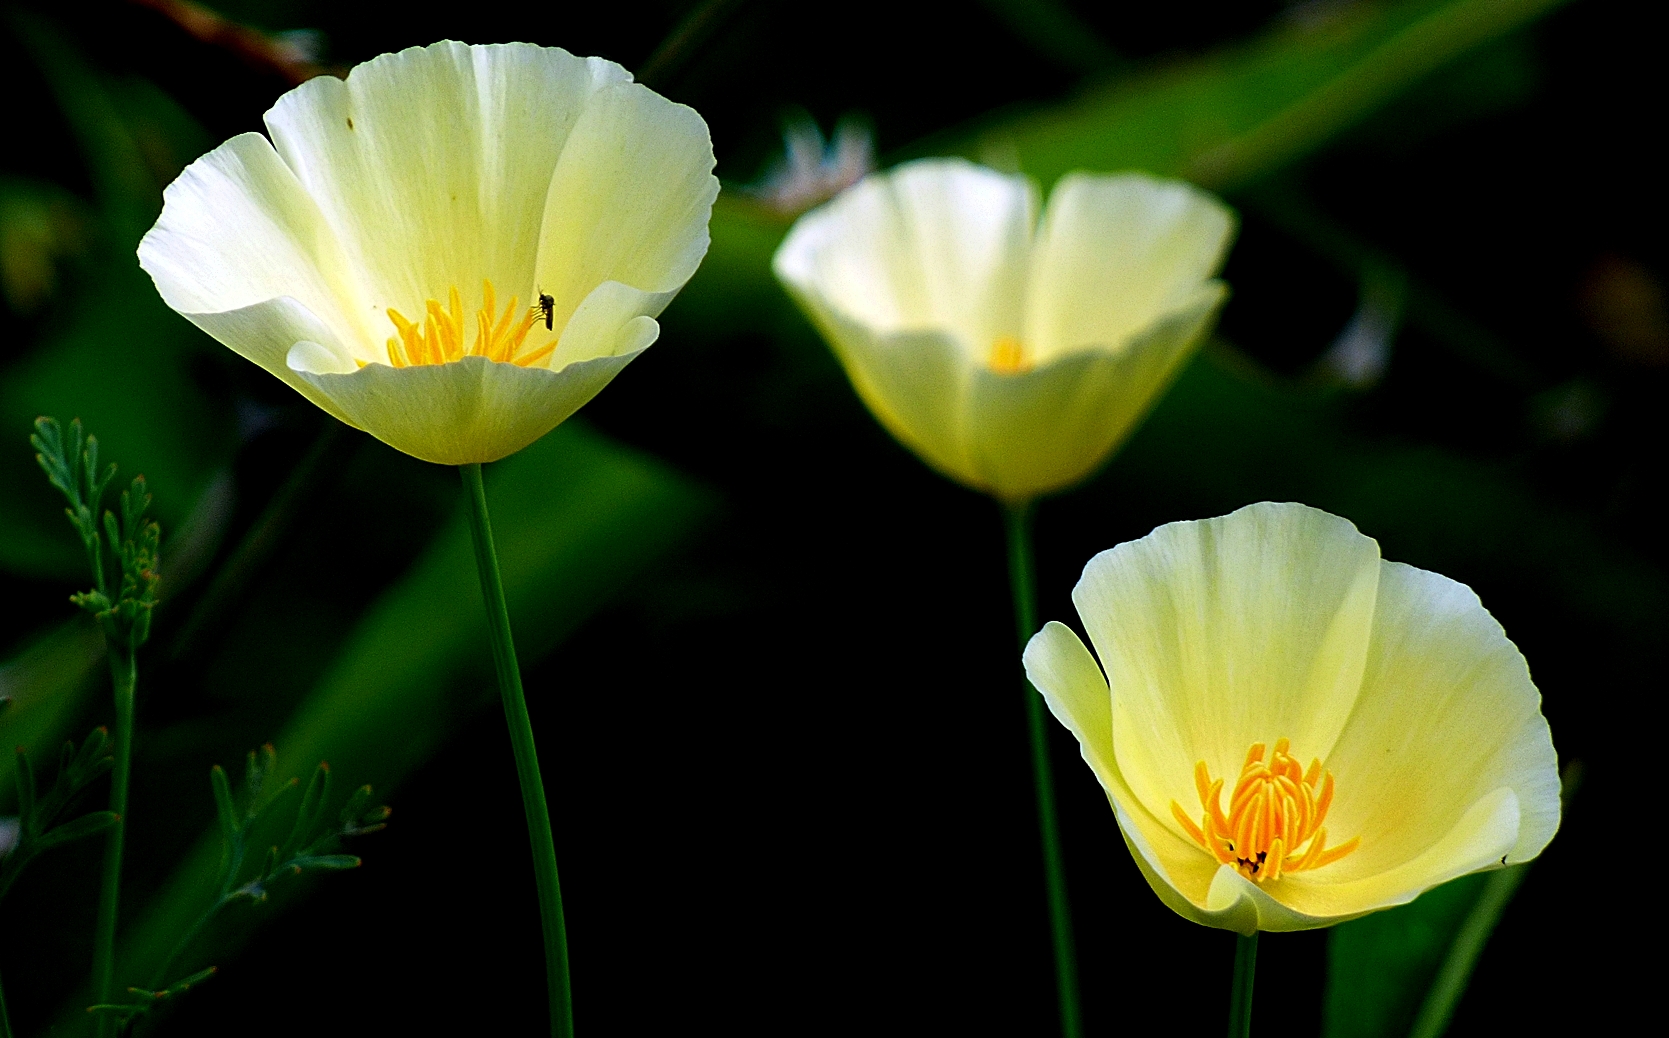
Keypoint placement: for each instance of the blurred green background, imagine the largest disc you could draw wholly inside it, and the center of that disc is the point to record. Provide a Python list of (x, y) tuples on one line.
[(770, 660)]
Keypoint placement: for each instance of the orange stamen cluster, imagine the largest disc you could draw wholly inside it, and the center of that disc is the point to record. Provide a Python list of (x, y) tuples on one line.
[(440, 338), (1008, 356), (1274, 821)]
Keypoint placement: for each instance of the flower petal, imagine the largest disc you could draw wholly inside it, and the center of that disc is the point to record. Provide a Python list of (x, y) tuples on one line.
[(238, 230), (1176, 868), (269, 332), (1220, 633), (629, 200), (915, 383), (1447, 715), (1066, 675), (1048, 428), (938, 243), (1298, 902), (1114, 255), (471, 410), (599, 328), (1485, 831), (432, 165)]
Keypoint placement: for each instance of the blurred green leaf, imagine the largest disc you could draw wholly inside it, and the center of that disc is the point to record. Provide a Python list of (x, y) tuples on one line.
[(575, 516), (1379, 967), (46, 681), (1455, 972), (112, 354), (1403, 971), (1236, 115), (126, 186), (1052, 29)]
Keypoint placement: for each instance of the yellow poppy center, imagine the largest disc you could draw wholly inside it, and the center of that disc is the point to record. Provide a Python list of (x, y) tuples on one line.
[(1008, 356), (440, 338), (1274, 820)]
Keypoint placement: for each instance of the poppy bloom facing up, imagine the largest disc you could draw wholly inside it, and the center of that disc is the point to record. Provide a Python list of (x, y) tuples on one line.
[(1292, 731), (1010, 353), (385, 253)]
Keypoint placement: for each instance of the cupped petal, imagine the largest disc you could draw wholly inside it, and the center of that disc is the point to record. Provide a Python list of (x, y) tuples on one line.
[(612, 320), (1066, 675), (915, 383), (1116, 254), (1485, 832), (432, 165), (629, 199), (237, 231), (1447, 715), (1062, 670), (933, 244), (469, 411), (1218, 895), (268, 333), (1041, 430), (1219, 633)]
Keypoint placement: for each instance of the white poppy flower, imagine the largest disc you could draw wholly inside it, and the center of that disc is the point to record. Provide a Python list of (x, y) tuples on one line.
[(1292, 731), (1011, 355), (453, 249)]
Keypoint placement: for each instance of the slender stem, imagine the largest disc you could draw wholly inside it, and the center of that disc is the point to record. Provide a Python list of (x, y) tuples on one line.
[(527, 758), (1017, 518), (5, 1019), (1240, 988), (159, 979), (123, 676)]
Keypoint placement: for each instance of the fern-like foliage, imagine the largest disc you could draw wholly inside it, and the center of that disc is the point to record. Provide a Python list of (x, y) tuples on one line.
[(140, 1001), (247, 872), (38, 828), (124, 587), (314, 842)]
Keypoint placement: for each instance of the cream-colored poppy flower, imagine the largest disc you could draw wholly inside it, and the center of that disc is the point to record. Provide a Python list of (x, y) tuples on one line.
[(453, 249), (1297, 732), (1011, 355)]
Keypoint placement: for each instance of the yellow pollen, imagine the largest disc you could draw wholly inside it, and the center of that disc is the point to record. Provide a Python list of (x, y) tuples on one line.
[(1008, 356), (440, 338), (1274, 821)]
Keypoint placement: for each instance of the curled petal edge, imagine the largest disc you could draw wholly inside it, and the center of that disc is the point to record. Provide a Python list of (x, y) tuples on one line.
[(1477, 842), (469, 411)]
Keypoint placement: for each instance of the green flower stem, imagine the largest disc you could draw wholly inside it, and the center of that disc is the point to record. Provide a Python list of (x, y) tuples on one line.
[(1020, 570), (5, 1020), (527, 758), (124, 675), (1240, 988)]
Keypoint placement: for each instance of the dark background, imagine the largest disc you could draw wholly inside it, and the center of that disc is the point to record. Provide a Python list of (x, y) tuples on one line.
[(786, 756)]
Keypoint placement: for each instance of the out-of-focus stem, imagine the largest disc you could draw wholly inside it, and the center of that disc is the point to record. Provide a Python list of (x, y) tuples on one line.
[(527, 757), (123, 676), (1017, 518), (5, 1020)]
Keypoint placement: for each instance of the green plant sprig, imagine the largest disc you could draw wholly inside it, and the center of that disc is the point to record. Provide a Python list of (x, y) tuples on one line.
[(72, 466), (313, 843), (313, 840), (38, 827), (142, 1000)]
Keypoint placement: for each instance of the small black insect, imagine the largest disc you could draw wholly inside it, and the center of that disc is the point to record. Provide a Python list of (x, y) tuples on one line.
[(547, 307)]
